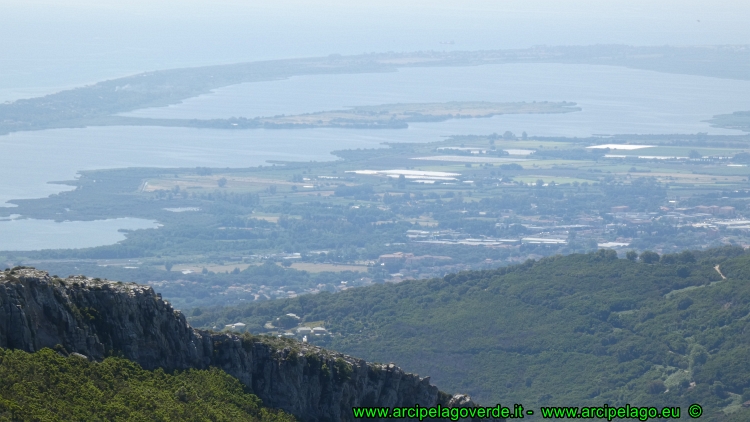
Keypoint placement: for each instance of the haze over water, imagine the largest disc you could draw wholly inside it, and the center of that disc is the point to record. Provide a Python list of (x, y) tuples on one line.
[(49, 45)]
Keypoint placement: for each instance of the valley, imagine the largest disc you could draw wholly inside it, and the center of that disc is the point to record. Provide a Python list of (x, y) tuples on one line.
[(551, 226), (583, 328)]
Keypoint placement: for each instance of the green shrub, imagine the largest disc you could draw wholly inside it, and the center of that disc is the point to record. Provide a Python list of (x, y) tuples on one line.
[(46, 386)]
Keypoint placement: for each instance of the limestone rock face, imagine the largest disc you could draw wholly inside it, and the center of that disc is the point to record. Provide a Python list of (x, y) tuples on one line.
[(98, 318)]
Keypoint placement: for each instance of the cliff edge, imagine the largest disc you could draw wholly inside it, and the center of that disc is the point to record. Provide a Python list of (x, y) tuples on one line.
[(100, 318)]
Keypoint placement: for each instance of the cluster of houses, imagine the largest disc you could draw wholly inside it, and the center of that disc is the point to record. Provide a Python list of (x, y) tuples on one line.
[(237, 326), (725, 211), (716, 210), (411, 259), (317, 331), (303, 331)]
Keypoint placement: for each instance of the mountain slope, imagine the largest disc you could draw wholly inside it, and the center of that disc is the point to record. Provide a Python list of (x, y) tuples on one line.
[(99, 318), (573, 330)]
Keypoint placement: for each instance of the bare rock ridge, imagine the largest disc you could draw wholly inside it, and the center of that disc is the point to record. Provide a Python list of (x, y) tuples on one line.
[(100, 318)]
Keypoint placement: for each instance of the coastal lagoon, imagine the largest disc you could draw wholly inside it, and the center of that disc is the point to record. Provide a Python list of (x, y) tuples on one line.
[(28, 234), (57, 155), (613, 99)]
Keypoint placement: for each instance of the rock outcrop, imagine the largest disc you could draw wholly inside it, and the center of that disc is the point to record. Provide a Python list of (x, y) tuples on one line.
[(99, 318)]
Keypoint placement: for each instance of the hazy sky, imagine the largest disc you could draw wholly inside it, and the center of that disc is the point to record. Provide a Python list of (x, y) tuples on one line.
[(47, 45)]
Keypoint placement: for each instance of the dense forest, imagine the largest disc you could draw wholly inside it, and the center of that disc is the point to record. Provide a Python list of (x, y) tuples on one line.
[(581, 329), (49, 386)]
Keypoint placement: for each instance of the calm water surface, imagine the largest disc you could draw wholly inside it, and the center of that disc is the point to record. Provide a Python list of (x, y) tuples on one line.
[(614, 99), (27, 235)]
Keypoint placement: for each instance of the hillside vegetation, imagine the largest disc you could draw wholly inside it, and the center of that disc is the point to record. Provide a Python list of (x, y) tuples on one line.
[(46, 386), (571, 330)]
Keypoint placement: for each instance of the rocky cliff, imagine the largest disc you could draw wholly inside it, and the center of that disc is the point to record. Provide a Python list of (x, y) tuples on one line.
[(99, 318)]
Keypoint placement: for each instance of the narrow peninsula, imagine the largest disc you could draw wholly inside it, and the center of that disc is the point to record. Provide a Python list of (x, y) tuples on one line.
[(386, 116)]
